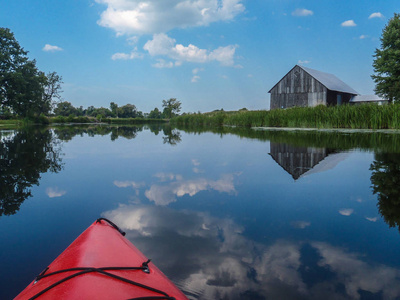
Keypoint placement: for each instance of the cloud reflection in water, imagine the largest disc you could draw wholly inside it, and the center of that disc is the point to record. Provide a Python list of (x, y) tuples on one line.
[(210, 258), (166, 193)]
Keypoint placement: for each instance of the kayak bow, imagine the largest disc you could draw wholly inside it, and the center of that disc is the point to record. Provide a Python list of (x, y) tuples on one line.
[(101, 264)]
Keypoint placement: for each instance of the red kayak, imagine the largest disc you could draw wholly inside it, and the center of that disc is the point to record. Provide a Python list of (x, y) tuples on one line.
[(101, 264)]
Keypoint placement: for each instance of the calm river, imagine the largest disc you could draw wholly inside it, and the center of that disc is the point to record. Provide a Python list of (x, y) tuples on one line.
[(227, 214)]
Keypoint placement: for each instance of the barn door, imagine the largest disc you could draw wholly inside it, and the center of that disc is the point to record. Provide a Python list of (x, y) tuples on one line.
[(339, 99)]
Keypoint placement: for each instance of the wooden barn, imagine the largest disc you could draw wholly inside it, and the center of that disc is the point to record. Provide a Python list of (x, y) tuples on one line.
[(307, 87)]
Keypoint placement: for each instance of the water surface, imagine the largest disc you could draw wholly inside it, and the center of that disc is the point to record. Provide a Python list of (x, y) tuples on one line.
[(226, 214)]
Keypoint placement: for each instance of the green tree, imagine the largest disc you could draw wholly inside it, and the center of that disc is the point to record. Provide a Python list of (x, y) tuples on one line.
[(114, 108), (128, 111), (90, 111), (171, 107), (387, 62), (104, 112), (65, 109), (155, 114), (23, 88), (52, 88)]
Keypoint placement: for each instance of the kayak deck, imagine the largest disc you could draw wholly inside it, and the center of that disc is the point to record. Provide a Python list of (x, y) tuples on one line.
[(101, 264)]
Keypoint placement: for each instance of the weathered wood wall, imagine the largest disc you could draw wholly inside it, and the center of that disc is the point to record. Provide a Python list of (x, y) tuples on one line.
[(332, 97), (298, 88)]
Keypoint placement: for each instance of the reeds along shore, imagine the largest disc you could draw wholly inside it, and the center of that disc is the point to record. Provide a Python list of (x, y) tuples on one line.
[(366, 116)]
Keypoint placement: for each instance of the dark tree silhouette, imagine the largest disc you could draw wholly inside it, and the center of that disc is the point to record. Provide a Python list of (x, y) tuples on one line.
[(385, 181), (24, 156)]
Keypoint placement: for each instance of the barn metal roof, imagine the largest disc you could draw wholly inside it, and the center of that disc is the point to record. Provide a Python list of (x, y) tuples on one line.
[(330, 81), (367, 98)]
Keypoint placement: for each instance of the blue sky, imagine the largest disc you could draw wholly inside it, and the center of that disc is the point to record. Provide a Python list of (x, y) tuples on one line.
[(209, 54)]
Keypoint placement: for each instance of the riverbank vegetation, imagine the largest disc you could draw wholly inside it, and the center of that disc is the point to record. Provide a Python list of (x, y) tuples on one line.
[(367, 116), (331, 139)]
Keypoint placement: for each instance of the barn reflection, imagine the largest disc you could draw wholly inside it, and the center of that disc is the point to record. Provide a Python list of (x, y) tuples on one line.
[(301, 161)]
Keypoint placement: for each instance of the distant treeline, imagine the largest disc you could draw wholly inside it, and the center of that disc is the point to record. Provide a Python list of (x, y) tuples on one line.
[(366, 116), (66, 109), (65, 112)]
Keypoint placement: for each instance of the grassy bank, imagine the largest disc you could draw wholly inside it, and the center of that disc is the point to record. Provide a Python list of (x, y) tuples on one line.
[(368, 140), (345, 116), (10, 122), (43, 120)]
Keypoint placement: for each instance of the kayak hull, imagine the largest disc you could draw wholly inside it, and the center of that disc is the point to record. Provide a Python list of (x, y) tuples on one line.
[(95, 253)]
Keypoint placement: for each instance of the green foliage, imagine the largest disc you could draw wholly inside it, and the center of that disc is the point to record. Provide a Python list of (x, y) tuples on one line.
[(52, 88), (65, 109), (99, 117), (114, 109), (43, 120), (128, 111), (155, 114), (70, 119), (171, 108), (24, 90), (387, 61), (367, 116)]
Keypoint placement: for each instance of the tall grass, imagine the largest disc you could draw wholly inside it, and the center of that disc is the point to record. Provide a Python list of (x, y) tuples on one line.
[(364, 140), (367, 116)]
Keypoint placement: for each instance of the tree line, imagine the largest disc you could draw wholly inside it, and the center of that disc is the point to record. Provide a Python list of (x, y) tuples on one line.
[(27, 92), (171, 108)]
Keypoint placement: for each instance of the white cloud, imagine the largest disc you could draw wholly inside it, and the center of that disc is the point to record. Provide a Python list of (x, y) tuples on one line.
[(55, 192), (195, 162), (162, 64), (302, 12), (346, 212), (165, 194), (349, 23), (363, 36), (358, 275), (303, 62), (196, 71), (376, 15), (300, 224), (51, 48), (167, 176), (133, 40), (163, 45), (195, 78), (372, 219), (126, 56), (126, 183), (139, 17)]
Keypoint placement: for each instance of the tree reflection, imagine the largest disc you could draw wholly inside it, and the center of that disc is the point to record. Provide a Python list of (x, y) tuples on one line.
[(385, 181), (24, 156), (66, 133), (171, 136), (125, 132)]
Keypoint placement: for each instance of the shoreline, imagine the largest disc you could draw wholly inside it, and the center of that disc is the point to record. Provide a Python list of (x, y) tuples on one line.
[(344, 130)]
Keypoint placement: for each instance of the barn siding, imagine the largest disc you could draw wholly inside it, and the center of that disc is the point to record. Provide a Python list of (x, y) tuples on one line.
[(297, 160), (298, 88)]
